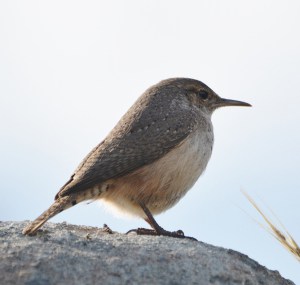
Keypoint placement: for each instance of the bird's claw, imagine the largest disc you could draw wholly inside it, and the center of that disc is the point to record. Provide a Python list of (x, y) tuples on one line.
[(161, 232), (107, 229)]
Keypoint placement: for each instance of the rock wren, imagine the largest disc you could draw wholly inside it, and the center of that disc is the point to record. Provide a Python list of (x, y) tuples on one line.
[(151, 158)]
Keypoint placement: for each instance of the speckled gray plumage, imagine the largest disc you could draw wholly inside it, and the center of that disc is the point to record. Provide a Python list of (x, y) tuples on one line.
[(154, 125)]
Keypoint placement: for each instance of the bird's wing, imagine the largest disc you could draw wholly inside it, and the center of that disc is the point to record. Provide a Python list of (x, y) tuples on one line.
[(144, 134)]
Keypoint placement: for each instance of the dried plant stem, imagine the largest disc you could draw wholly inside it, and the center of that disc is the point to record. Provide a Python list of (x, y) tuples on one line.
[(282, 235)]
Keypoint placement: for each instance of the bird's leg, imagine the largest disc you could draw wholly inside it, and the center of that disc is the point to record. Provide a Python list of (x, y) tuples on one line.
[(157, 230)]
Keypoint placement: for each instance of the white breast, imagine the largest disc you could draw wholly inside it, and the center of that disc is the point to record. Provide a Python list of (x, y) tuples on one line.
[(193, 156), (181, 168)]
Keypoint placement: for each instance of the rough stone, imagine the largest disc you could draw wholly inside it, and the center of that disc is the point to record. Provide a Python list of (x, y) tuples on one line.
[(68, 254)]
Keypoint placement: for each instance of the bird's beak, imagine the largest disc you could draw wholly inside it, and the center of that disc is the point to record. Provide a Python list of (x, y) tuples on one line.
[(228, 102)]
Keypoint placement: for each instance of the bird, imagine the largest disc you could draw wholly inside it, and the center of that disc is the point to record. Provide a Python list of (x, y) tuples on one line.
[(151, 158)]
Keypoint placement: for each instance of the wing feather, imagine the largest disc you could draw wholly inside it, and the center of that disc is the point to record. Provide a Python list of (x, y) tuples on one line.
[(144, 134)]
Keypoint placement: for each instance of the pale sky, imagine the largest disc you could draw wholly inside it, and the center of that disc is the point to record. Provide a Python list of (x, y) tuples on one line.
[(70, 69)]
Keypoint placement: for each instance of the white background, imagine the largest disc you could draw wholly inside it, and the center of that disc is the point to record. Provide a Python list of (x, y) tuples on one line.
[(70, 69)]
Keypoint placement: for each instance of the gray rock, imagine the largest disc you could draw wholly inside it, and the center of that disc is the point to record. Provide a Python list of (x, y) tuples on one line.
[(68, 254)]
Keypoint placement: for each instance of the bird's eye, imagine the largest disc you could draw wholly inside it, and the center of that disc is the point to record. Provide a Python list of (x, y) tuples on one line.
[(203, 94)]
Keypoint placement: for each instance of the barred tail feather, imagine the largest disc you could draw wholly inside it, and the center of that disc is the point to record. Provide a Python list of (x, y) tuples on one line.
[(58, 206)]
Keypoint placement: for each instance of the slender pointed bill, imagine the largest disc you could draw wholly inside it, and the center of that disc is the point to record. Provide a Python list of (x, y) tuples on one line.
[(228, 102)]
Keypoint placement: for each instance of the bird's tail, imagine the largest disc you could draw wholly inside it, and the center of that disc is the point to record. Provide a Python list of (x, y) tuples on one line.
[(58, 206)]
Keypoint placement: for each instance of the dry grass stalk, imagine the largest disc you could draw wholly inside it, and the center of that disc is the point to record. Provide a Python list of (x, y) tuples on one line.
[(282, 235)]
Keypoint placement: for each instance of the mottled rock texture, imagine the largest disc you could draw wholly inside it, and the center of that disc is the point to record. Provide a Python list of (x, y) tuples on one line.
[(68, 254)]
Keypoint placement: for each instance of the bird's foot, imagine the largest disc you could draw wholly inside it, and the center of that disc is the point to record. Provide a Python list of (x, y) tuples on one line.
[(160, 232), (107, 229)]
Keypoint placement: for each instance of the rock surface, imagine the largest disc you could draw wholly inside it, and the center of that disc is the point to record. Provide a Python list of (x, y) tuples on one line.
[(68, 254)]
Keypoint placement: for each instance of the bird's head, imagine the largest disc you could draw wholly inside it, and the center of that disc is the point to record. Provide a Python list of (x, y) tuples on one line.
[(201, 95)]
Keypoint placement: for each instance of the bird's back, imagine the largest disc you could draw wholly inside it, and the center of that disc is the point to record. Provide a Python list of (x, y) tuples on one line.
[(154, 125)]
